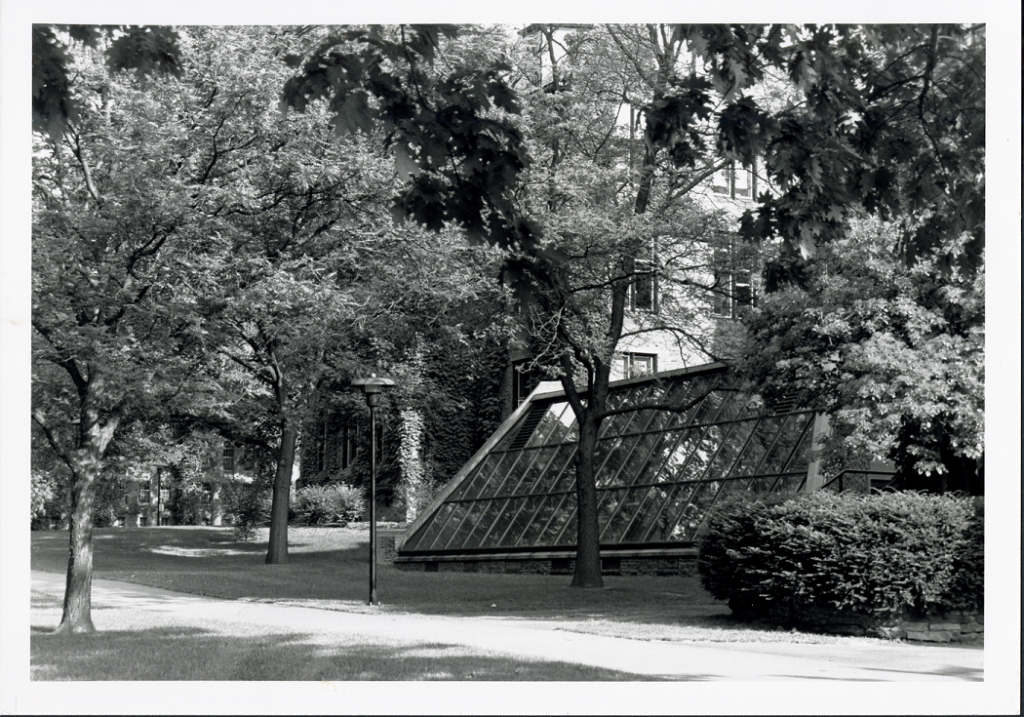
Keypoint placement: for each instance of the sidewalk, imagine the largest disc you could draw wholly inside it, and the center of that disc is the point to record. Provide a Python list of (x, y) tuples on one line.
[(322, 629)]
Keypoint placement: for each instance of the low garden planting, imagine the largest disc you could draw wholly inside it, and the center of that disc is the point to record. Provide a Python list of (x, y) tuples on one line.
[(895, 565)]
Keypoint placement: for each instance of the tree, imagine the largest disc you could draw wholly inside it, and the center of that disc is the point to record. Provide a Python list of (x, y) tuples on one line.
[(55, 105), (892, 123), (884, 113), (136, 201), (579, 217), (895, 356), (107, 344)]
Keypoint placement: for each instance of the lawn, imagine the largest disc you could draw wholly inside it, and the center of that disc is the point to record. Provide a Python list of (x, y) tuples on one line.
[(327, 569)]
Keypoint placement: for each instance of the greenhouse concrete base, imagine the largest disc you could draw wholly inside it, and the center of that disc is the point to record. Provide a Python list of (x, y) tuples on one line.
[(640, 562)]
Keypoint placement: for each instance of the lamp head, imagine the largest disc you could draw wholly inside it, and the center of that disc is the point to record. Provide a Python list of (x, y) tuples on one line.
[(373, 387)]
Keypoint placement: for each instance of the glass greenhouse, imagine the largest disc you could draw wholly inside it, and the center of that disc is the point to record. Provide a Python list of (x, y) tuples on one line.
[(674, 444)]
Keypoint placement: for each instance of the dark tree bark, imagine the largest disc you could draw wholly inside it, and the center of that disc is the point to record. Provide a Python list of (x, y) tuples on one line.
[(86, 462), (588, 548), (277, 551)]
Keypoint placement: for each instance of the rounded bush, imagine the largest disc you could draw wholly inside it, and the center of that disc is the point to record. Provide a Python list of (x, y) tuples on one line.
[(875, 555), (250, 510), (336, 504)]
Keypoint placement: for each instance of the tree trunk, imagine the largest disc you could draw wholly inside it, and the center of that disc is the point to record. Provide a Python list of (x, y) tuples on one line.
[(86, 463), (77, 616), (588, 547), (277, 551)]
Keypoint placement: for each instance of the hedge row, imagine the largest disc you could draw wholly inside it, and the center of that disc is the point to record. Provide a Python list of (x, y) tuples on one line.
[(876, 555), (313, 505)]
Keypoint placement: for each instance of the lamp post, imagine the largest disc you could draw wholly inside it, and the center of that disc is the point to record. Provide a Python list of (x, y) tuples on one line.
[(372, 389)]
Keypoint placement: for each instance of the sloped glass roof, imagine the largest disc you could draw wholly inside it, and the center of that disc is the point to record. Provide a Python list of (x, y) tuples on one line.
[(674, 445)]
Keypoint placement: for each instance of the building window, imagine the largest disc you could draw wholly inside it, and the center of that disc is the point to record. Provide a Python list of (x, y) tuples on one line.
[(735, 181), (143, 493), (734, 288), (634, 365), (347, 445), (643, 289), (228, 459)]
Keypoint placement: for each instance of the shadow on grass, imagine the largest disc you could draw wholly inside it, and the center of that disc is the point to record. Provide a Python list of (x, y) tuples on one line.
[(196, 654), (327, 569)]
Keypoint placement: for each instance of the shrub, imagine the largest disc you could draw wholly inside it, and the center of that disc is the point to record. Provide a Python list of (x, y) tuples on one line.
[(876, 555), (329, 504), (250, 510)]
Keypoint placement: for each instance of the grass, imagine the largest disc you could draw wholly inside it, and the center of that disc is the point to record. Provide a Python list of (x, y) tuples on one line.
[(148, 648), (327, 569)]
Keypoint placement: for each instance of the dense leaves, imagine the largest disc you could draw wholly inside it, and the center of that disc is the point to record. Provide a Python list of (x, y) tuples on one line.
[(146, 50), (875, 555), (456, 149), (895, 355)]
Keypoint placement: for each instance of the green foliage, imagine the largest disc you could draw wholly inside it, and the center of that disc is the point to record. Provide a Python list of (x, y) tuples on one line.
[(56, 102), (48, 499), (249, 509), (895, 355), (329, 504), (457, 150), (870, 554)]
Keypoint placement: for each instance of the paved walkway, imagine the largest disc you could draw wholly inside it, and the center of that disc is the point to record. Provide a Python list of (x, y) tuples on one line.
[(865, 661)]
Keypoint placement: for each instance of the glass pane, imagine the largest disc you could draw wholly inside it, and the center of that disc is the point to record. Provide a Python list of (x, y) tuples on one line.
[(762, 486), (628, 503), (480, 527), (423, 538), (497, 525), (650, 502), (789, 437), (544, 479), (472, 518), (695, 511), (566, 479), (757, 448), (790, 484), (526, 517), (545, 509), (732, 444), (562, 530), (685, 414), (538, 464), (801, 454), (554, 425), (562, 505), (476, 482), (620, 449), (505, 467), (664, 519), (621, 423), (502, 525), (459, 511), (646, 457)]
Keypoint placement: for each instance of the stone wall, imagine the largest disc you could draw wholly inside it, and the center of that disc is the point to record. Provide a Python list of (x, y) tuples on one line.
[(956, 626), (953, 626)]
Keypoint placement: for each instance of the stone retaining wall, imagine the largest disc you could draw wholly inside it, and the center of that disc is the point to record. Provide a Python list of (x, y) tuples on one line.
[(957, 626), (953, 626)]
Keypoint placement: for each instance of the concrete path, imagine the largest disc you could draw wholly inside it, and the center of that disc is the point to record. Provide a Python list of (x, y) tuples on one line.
[(867, 660)]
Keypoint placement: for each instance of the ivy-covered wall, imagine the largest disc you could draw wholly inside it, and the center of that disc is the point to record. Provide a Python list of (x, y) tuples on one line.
[(448, 400)]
